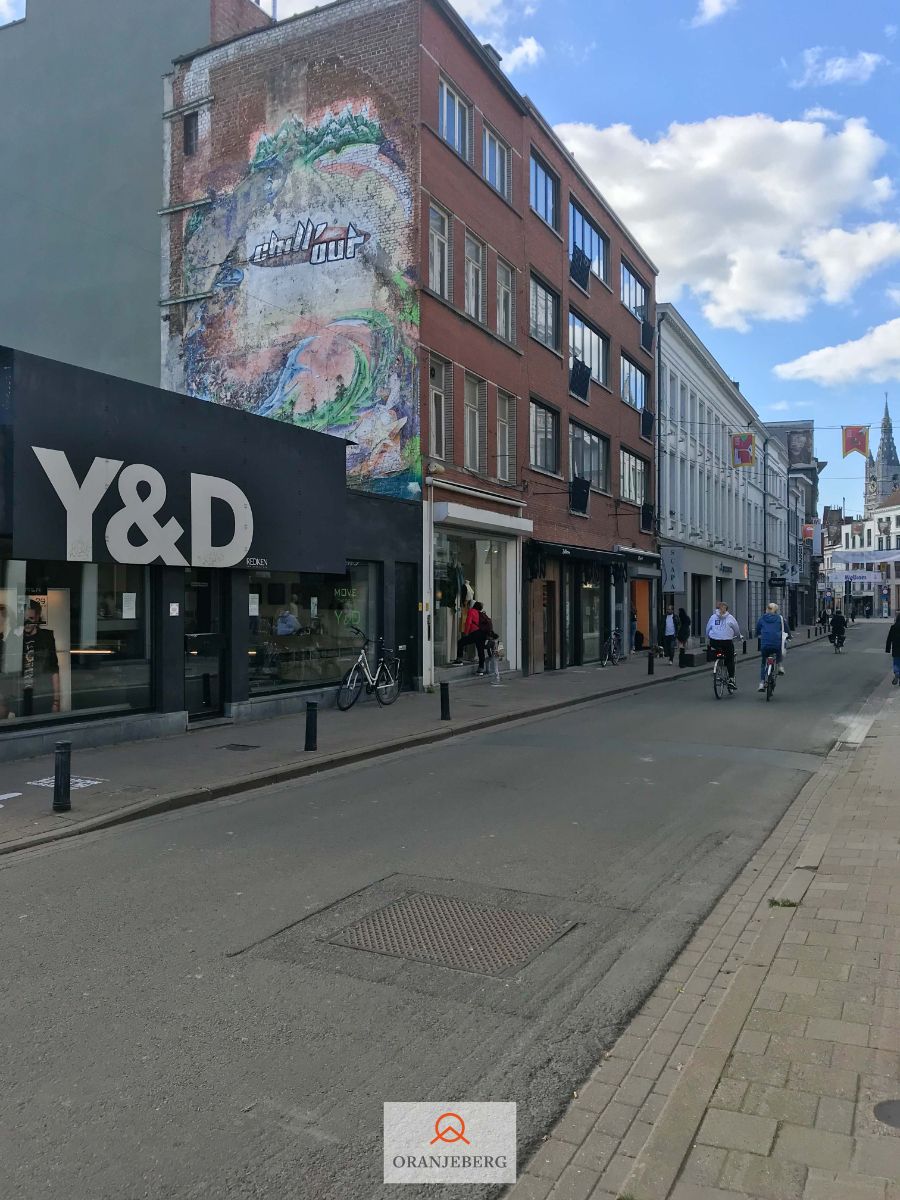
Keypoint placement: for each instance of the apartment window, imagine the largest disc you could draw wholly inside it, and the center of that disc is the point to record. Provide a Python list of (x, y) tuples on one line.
[(846, 541), (454, 119), (869, 538), (544, 437), (439, 258), (544, 192), (632, 477), (475, 277), (634, 292), (496, 162), (588, 456), (590, 346), (506, 437), (191, 132), (544, 314), (440, 409), (470, 427), (634, 384), (585, 236), (506, 301), (881, 543)]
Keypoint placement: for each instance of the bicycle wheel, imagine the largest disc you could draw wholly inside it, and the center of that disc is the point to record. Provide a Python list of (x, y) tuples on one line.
[(770, 684), (606, 652), (351, 686), (615, 651), (720, 678), (387, 681)]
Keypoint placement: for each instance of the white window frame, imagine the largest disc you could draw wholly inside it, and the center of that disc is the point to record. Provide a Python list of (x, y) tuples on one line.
[(438, 416), (439, 244), (506, 407), (544, 300), (588, 343), (549, 421), (458, 138), (474, 278), (471, 440), (632, 288), (633, 468), (598, 446), (493, 145), (506, 302)]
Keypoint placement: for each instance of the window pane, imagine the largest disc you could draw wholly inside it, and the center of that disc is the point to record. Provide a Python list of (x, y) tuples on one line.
[(544, 315), (634, 293), (544, 185)]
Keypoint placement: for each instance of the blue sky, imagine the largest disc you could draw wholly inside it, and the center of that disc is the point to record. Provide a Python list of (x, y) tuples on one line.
[(752, 148)]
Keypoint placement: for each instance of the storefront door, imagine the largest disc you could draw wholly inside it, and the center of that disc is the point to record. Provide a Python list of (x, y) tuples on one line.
[(204, 643), (549, 604), (406, 619)]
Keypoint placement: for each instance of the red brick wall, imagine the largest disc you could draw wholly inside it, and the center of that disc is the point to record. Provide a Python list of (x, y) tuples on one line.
[(231, 18), (514, 232)]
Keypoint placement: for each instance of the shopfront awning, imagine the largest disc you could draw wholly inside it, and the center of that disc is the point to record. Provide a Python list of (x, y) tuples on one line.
[(481, 518), (561, 550)]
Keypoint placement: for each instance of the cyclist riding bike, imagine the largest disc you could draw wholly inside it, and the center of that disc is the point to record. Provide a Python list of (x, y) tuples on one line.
[(770, 631), (838, 628), (721, 630)]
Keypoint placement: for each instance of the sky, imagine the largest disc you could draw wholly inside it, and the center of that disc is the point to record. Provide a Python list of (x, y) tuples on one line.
[(751, 146)]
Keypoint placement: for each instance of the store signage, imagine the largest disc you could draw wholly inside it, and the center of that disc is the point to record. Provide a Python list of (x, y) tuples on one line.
[(672, 565), (111, 471)]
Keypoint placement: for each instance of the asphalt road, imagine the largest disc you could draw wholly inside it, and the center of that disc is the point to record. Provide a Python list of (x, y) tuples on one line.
[(175, 1023)]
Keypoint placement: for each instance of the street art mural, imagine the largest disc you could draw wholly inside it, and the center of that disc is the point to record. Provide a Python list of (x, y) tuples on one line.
[(308, 311)]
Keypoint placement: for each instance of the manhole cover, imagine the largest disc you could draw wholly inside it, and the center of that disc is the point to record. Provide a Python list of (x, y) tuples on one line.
[(888, 1111), (453, 933), (238, 746)]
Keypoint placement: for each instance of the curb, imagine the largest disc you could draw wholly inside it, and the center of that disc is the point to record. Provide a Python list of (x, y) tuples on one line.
[(172, 801)]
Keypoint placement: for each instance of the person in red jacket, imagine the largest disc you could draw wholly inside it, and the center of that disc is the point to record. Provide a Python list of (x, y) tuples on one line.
[(475, 632)]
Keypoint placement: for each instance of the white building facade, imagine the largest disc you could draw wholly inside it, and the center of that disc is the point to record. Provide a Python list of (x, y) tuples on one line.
[(723, 530)]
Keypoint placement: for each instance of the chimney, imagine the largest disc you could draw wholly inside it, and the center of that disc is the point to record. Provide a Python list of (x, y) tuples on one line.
[(493, 53)]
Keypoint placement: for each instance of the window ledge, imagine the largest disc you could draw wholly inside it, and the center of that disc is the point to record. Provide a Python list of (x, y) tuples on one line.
[(466, 163), (545, 473), (463, 315), (549, 349), (546, 224)]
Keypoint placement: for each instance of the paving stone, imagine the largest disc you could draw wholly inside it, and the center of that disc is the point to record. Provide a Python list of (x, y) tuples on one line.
[(612, 1070), (769, 1178), (836, 1185), (529, 1187), (616, 1118), (813, 1006), (823, 970), (696, 1191), (800, 1049), (759, 1068), (752, 1042), (729, 1094), (575, 1183), (792, 985), (634, 1090), (595, 1095), (781, 1104), (613, 1178), (813, 1147), (884, 1039), (867, 1061), (550, 1159), (575, 1125), (878, 1156), (824, 1081), (636, 1138), (704, 1165), (737, 1131), (847, 1032), (628, 1048), (651, 1065), (596, 1151), (835, 1115), (779, 1022), (652, 1108)]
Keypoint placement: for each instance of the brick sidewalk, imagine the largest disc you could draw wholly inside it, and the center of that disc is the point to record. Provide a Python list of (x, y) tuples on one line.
[(754, 1067)]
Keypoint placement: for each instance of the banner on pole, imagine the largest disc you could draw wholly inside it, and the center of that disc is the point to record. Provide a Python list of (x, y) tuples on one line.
[(672, 567), (743, 449), (855, 438)]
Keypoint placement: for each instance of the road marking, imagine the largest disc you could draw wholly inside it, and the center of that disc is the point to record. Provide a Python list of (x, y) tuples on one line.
[(75, 782), (10, 795)]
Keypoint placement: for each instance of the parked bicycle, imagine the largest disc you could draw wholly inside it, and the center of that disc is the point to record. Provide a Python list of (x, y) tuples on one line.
[(721, 682), (612, 649), (384, 682), (771, 675)]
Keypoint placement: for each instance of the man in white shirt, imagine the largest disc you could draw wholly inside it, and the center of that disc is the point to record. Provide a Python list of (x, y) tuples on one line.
[(721, 630), (670, 633)]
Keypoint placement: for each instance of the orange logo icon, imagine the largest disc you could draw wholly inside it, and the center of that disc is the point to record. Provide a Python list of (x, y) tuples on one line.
[(449, 1127)]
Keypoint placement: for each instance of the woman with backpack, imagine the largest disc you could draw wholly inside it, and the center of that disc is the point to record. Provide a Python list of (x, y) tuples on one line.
[(475, 633)]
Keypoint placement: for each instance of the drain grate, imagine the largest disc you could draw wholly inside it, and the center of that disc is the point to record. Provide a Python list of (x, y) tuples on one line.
[(453, 933), (238, 746), (888, 1111)]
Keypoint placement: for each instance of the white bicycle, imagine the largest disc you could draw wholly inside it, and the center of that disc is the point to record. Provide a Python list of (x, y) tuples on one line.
[(385, 682)]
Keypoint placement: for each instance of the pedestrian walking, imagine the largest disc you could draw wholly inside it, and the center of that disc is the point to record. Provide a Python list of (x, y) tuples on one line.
[(475, 631), (684, 629), (892, 647), (670, 633), (632, 630)]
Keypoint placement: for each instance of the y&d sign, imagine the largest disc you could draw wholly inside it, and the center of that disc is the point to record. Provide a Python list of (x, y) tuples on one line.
[(158, 538)]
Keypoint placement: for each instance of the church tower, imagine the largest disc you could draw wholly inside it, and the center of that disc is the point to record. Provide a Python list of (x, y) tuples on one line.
[(883, 475)]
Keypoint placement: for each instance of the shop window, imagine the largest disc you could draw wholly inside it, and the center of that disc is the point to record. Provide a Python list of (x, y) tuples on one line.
[(302, 627), (468, 568), (74, 640)]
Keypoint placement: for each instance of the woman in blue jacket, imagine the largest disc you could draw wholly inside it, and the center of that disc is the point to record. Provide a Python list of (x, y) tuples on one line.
[(770, 631)]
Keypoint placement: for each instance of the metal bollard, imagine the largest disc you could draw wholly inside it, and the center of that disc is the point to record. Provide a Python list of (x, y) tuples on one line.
[(682, 657), (745, 645), (808, 633), (312, 725), (651, 665), (445, 701), (62, 778)]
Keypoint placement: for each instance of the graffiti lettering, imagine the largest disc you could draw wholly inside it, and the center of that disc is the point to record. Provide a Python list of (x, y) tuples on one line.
[(310, 243)]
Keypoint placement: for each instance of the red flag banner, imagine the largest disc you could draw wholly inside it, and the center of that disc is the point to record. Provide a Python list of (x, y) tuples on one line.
[(808, 533), (856, 437), (743, 449)]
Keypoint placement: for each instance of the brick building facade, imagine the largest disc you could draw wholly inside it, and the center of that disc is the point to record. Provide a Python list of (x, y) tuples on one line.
[(370, 232)]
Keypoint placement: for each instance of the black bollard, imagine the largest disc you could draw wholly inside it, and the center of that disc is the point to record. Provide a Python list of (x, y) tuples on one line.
[(651, 662), (62, 778), (445, 701), (808, 633), (682, 657), (745, 645), (312, 725)]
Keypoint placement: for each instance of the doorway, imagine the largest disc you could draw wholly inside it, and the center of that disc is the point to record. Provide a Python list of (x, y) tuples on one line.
[(549, 606), (204, 643), (406, 620)]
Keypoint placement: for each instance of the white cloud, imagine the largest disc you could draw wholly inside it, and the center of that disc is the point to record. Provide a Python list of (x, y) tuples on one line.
[(818, 113), (893, 294), (710, 10), (726, 207), (890, 32), (873, 358), (11, 10), (846, 257), (526, 53), (822, 71)]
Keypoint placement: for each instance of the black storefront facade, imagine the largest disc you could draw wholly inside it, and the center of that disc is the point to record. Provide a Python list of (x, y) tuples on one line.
[(164, 560)]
